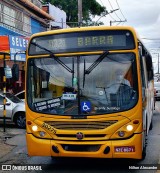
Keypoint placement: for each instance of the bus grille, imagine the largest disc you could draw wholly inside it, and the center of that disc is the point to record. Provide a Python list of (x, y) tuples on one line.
[(81, 148), (81, 125)]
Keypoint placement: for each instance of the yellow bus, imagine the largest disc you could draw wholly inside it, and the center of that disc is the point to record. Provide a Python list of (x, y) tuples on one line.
[(77, 105)]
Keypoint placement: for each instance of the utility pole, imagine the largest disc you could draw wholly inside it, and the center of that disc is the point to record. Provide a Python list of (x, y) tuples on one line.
[(4, 54), (80, 13)]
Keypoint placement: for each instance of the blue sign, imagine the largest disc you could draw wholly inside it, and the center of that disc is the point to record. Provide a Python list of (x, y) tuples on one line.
[(85, 106), (18, 44)]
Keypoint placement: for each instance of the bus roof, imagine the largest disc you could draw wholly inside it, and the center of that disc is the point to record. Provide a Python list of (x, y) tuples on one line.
[(89, 28)]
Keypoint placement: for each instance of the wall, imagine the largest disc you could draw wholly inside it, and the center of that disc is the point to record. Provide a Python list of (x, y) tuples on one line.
[(59, 16), (36, 26)]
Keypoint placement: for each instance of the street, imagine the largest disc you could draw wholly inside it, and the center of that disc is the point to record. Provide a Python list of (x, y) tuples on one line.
[(13, 151)]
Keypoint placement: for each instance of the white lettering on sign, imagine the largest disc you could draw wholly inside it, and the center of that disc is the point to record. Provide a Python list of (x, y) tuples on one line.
[(19, 42), (69, 96)]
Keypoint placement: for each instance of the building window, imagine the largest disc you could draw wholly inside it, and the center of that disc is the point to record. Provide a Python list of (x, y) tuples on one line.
[(14, 20), (9, 16), (27, 24), (19, 20)]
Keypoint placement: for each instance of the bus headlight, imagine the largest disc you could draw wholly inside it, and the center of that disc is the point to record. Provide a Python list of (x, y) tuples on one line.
[(129, 127), (121, 133), (42, 133), (34, 128)]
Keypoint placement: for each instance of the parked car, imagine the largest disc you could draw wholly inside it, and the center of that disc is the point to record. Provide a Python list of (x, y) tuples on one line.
[(157, 90), (15, 109), (21, 95)]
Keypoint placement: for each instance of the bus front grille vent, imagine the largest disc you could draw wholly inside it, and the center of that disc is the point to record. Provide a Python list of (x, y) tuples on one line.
[(81, 125), (81, 148)]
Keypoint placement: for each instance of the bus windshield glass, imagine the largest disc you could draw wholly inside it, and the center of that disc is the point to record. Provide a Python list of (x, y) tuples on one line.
[(82, 85)]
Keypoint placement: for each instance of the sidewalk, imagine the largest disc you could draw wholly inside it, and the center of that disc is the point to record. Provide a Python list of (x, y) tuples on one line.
[(9, 133)]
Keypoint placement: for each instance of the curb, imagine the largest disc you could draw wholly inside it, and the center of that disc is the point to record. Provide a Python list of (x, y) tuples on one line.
[(158, 171)]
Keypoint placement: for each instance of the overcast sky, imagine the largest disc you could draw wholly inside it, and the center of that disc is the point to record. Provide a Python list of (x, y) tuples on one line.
[(143, 15)]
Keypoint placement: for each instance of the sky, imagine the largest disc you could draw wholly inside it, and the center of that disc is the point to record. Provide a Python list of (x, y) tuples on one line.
[(143, 15)]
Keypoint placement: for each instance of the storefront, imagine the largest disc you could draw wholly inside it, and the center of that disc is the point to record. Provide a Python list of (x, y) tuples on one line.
[(15, 45)]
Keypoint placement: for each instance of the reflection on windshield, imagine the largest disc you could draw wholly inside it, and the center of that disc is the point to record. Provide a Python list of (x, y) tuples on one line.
[(110, 87)]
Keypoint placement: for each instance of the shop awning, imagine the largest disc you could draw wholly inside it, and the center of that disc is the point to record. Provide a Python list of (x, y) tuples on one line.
[(4, 46)]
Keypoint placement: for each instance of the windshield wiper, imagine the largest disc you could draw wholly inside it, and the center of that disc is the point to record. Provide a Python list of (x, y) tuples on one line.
[(101, 57), (55, 58)]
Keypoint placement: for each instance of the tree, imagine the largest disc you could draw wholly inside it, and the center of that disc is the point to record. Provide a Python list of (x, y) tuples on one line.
[(91, 8)]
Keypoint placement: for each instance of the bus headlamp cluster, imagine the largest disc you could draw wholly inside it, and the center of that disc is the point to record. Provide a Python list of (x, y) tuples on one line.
[(38, 131), (127, 130), (41, 133)]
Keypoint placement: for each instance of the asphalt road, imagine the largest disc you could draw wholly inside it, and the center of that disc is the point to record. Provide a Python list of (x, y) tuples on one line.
[(18, 155)]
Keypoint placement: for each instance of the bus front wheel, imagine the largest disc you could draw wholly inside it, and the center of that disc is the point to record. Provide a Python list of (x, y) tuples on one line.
[(144, 146), (20, 120)]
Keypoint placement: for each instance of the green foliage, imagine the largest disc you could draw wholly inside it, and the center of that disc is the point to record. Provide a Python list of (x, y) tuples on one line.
[(90, 8)]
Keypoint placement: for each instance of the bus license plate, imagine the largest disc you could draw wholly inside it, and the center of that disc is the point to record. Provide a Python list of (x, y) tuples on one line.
[(124, 149)]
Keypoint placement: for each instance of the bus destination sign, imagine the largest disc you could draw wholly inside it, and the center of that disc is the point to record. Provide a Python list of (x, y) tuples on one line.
[(82, 42)]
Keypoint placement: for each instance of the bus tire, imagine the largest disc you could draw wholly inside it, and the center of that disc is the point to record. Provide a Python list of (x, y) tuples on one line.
[(144, 153), (144, 144), (151, 126), (20, 120)]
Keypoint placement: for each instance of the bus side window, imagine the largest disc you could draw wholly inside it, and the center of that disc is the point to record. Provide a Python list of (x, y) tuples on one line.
[(142, 72), (149, 67)]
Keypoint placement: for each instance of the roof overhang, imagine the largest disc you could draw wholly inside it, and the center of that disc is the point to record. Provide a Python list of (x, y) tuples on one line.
[(33, 7)]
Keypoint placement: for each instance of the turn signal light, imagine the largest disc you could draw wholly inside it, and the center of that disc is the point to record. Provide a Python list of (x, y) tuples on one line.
[(29, 122), (136, 122)]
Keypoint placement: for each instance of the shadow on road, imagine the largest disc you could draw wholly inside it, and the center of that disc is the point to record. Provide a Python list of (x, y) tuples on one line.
[(90, 164)]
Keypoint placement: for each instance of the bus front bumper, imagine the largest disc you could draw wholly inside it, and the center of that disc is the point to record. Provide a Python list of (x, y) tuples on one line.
[(128, 148)]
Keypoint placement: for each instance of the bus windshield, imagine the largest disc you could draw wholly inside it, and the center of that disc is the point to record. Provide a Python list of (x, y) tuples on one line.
[(82, 85)]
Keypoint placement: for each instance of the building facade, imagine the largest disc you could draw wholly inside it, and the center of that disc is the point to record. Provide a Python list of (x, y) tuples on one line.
[(59, 21), (19, 19)]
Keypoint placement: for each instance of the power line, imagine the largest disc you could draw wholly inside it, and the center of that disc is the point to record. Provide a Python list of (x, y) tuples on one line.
[(117, 21), (120, 20), (112, 8), (107, 14), (120, 10)]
